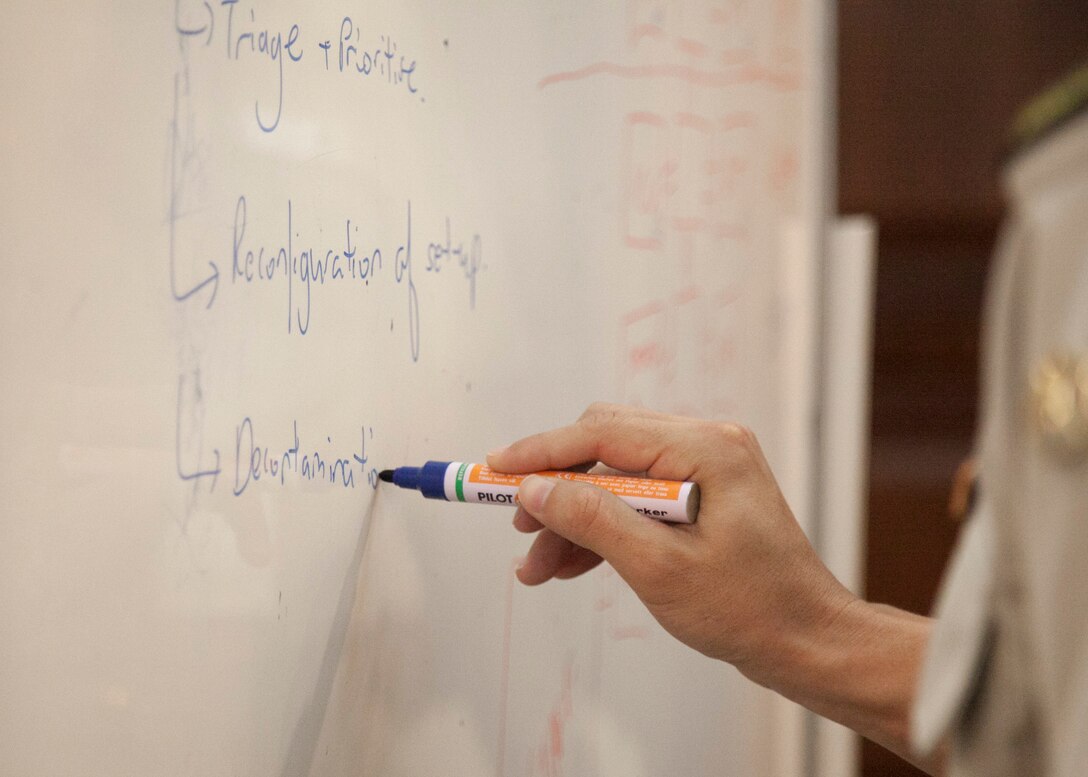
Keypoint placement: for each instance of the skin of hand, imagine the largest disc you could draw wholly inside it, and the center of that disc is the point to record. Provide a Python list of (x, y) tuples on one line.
[(738, 578), (742, 584)]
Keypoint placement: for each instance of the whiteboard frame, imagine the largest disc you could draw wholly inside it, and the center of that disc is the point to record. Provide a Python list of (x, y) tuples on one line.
[(807, 306)]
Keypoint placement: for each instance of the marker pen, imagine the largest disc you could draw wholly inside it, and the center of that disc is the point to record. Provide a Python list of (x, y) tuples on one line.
[(459, 481)]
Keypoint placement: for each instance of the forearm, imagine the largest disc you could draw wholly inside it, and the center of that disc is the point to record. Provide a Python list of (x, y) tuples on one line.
[(860, 668)]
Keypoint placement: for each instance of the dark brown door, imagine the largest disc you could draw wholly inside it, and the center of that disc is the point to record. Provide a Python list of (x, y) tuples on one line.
[(927, 91)]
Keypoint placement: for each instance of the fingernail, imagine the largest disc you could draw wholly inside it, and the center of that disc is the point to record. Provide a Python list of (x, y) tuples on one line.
[(534, 490), (497, 451)]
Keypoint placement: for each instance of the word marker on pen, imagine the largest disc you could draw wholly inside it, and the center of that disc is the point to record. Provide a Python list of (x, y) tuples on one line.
[(458, 481)]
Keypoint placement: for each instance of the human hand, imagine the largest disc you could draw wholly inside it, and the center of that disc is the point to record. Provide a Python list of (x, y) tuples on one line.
[(742, 584)]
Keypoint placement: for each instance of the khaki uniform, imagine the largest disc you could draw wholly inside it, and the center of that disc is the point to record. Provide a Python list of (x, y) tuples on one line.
[(1006, 675)]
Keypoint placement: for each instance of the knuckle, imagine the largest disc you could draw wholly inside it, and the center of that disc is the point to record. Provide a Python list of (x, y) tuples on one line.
[(587, 505), (601, 423), (601, 414), (739, 433), (736, 435), (595, 409), (584, 507)]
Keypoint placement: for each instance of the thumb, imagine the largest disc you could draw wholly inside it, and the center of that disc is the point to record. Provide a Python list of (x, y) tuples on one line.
[(598, 520)]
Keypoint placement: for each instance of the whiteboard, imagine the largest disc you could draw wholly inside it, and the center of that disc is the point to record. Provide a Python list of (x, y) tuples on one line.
[(254, 252)]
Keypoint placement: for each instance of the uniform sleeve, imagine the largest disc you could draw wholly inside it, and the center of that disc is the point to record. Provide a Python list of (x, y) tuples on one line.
[(958, 645)]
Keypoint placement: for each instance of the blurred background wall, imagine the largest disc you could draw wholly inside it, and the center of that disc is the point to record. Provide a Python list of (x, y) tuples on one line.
[(927, 91)]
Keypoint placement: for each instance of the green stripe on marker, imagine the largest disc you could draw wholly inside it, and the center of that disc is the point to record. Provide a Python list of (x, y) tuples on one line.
[(459, 483)]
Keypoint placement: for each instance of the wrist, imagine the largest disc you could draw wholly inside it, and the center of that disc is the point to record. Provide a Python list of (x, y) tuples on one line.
[(853, 662), (795, 648)]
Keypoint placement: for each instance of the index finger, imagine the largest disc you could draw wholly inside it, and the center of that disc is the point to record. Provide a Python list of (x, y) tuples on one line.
[(629, 439)]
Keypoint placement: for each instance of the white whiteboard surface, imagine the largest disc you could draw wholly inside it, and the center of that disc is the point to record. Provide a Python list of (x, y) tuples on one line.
[(467, 221)]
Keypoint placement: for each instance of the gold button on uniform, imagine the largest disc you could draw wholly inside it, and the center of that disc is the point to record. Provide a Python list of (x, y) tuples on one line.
[(1059, 388)]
